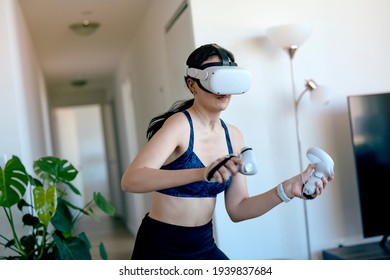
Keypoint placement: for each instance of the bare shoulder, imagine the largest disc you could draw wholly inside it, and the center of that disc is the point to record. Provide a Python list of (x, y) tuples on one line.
[(168, 141), (175, 127), (176, 122)]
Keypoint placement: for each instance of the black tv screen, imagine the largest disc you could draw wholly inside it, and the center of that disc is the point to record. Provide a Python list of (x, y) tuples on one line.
[(370, 130)]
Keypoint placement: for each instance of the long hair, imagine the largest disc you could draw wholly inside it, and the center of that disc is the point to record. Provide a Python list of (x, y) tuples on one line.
[(157, 122), (194, 60)]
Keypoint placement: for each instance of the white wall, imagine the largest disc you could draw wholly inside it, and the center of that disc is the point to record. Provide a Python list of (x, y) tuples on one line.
[(24, 126), (144, 68), (348, 51), (8, 99), (22, 88), (28, 87)]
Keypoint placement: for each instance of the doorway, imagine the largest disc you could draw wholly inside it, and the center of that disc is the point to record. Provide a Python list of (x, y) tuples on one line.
[(79, 138)]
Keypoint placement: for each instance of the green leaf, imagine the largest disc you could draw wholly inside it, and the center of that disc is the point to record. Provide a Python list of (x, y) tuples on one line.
[(73, 188), (74, 207), (103, 204), (34, 181), (45, 203), (22, 203), (55, 170), (62, 219), (29, 242), (72, 248), (102, 250), (13, 182), (30, 220), (84, 237)]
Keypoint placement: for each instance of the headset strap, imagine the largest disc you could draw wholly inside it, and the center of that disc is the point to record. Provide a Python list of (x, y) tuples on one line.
[(224, 56)]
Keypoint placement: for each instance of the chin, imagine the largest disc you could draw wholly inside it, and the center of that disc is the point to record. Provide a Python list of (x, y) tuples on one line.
[(223, 101)]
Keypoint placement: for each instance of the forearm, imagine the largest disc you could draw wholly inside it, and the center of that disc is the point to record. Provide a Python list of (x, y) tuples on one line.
[(255, 206), (144, 180), (242, 207)]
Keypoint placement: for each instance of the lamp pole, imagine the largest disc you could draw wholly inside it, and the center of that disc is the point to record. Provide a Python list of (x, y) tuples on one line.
[(289, 37), (291, 51)]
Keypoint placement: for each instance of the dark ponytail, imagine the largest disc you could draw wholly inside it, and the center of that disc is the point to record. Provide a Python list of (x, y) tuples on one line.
[(195, 60), (157, 122)]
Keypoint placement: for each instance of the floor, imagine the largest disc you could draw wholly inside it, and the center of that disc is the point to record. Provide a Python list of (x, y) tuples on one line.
[(117, 240)]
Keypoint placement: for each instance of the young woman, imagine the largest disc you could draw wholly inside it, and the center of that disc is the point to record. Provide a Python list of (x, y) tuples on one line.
[(183, 145)]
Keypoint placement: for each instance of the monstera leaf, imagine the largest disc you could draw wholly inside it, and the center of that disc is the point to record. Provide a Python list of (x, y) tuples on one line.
[(13, 182), (63, 219), (73, 248), (45, 203), (103, 204), (56, 170)]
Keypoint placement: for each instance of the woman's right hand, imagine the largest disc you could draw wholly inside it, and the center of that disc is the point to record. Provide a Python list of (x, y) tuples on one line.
[(222, 169)]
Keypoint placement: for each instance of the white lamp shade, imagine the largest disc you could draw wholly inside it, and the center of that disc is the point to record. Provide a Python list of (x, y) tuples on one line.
[(288, 35), (320, 95)]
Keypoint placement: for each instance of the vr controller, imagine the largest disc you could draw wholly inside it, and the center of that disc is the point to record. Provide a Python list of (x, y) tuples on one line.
[(324, 167), (248, 167)]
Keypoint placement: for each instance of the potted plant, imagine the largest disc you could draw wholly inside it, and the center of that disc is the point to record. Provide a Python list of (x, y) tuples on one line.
[(49, 215)]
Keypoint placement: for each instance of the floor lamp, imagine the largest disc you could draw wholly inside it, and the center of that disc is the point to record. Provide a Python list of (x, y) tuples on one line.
[(290, 38)]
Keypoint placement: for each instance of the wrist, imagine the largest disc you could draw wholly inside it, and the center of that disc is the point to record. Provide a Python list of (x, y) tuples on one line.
[(282, 194), (204, 173)]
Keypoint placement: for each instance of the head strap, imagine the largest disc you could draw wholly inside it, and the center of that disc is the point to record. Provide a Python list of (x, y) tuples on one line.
[(225, 58)]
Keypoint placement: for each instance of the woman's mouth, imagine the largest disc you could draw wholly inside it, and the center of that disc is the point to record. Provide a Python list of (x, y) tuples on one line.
[(223, 96)]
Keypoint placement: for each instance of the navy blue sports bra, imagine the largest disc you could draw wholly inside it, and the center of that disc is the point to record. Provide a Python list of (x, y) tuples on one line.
[(190, 160)]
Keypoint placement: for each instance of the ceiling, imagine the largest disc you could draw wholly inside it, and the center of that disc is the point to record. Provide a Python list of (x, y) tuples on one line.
[(66, 56)]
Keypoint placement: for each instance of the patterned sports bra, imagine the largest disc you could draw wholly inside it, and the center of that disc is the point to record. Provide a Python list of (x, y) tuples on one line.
[(190, 160)]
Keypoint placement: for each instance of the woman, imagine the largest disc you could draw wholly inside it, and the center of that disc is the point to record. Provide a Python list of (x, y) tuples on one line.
[(183, 145)]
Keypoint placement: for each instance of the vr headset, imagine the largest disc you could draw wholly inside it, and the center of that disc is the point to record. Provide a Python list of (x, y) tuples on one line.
[(222, 77)]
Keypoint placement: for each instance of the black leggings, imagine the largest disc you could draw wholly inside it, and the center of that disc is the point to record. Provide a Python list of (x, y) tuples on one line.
[(160, 241)]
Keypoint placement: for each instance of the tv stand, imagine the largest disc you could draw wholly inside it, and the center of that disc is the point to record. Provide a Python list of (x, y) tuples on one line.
[(368, 251), (383, 241)]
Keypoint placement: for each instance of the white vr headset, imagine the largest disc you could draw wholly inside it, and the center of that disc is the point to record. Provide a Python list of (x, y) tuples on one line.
[(221, 78)]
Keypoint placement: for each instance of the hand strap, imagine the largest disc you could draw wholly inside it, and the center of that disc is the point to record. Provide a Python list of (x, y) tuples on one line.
[(218, 166), (303, 186)]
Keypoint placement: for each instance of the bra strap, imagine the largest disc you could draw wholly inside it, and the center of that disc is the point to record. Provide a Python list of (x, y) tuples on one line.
[(229, 144), (191, 144)]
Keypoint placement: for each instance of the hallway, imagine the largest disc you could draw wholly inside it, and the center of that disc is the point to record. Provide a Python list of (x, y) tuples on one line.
[(117, 240)]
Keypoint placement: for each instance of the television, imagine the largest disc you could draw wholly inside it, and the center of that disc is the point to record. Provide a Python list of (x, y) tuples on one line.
[(369, 117)]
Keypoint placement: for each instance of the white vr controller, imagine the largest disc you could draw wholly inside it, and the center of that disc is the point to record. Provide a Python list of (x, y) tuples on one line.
[(324, 167), (248, 167)]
